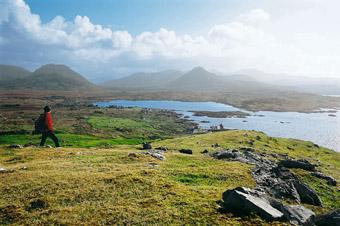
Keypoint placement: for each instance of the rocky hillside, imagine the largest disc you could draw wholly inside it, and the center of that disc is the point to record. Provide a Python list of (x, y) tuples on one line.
[(221, 178)]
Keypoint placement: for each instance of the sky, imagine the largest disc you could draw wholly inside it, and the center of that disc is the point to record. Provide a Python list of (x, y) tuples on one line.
[(107, 39)]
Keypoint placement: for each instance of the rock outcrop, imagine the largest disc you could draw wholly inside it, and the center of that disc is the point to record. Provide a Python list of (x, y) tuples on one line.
[(300, 164), (244, 201), (332, 218), (275, 179), (330, 180)]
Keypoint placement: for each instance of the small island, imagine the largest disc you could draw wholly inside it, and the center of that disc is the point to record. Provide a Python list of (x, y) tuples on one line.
[(221, 114)]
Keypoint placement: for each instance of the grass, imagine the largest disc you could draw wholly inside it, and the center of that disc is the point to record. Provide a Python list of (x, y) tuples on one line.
[(68, 140), (95, 186)]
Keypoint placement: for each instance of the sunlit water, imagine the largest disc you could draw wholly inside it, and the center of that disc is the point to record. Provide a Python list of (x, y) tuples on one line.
[(319, 128)]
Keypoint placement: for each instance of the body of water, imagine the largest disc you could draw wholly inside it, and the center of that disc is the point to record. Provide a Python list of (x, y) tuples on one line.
[(320, 128)]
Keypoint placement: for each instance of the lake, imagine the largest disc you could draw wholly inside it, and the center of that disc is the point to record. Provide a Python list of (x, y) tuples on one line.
[(319, 128)]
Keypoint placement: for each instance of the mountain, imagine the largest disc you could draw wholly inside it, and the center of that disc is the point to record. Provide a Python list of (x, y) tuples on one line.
[(50, 77), (197, 78), (9, 72), (145, 80)]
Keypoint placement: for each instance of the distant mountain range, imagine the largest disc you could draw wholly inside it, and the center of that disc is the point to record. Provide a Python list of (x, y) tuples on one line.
[(197, 79), (47, 77), (143, 80), (61, 77)]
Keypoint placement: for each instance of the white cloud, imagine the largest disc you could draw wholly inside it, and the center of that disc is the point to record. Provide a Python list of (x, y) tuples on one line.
[(255, 17), (241, 43)]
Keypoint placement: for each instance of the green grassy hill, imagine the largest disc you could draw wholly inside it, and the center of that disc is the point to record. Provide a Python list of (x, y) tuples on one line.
[(96, 186)]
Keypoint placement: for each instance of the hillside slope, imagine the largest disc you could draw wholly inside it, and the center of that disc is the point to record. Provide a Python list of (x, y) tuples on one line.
[(76, 185), (9, 73), (145, 80), (51, 77)]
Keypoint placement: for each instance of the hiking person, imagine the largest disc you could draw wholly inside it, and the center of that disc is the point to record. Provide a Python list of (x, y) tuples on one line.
[(46, 127)]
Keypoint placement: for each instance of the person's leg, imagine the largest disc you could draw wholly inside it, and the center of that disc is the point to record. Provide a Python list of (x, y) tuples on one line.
[(54, 138), (43, 138)]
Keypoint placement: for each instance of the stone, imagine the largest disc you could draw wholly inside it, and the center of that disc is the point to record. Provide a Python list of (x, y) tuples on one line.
[(243, 201), (300, 164), (19, 146), (298, 214), (332, 218), (225, 154), (163, 148), (132, 155), (147, 146), (307, 194), (157, 156), (330, 180), (186, 151), (3, 170)]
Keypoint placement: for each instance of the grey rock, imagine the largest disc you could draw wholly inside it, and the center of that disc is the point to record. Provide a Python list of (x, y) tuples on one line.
[(147, 146), (300, 164), (329, 219), (242, 201), (157, 156), (297, 214), (307, 194), (225, 155), (3, 170), (163, 148), (330, 180), (19, 146), (186, 151)]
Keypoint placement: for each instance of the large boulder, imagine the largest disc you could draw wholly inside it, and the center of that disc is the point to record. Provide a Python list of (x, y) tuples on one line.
[(300, 164), (307, 194), (332, 218), (295, 214), (243, 201)]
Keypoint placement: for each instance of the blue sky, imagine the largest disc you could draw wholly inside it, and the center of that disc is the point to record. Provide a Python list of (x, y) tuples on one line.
[(106, 39), (136, 16)]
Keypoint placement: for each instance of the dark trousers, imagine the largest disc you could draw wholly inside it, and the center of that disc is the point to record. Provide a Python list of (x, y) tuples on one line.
[(51, 135)]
